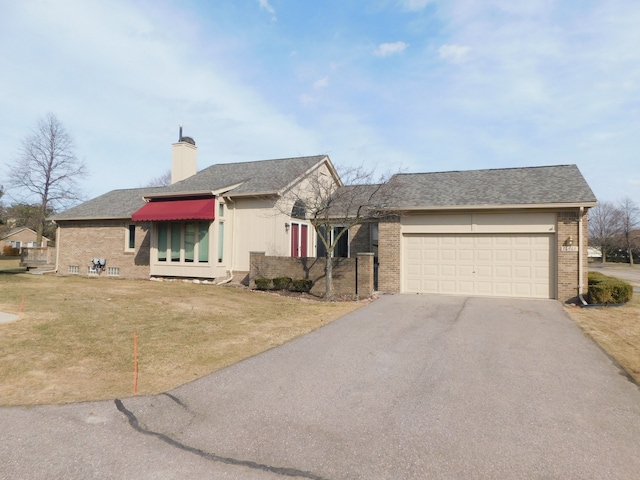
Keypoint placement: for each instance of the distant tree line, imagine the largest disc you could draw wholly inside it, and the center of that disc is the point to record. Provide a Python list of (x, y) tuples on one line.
[(614, 228)]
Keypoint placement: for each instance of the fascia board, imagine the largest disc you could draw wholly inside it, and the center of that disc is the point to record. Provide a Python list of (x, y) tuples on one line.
[(526, 206)]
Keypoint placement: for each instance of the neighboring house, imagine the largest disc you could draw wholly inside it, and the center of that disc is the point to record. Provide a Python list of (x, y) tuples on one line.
[(594, 253), (519, 232), (22, 237)]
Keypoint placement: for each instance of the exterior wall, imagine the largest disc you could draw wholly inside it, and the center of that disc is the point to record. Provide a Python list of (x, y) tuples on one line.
[(351, 276), (389, 251), (79, 242), (360, 239), (257, 225), (568, 261)]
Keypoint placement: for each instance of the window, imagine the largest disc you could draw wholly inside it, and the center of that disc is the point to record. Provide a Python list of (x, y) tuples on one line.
[(162, 242), (220, 210), (113, 271), (220, 241), (203, 242), (183, 242), (131, 238), (176, 236), (189, 241), (73, 269), (341, 248)]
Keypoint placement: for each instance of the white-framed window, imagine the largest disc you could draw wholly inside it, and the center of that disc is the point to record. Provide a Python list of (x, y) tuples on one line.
[(113, 271), (130, 238), (342, 247), (92, 271), (73, 269), (220, 240), (182, 242)]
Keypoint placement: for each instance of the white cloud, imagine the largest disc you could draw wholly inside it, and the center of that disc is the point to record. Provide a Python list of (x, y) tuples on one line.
[(264, 4), (386, 49), (321, 82), (414, 5), (454, 53)]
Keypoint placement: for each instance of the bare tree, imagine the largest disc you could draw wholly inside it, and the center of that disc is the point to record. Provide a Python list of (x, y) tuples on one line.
[(603, 227), (163, 180), (47, 169), (628, 221), (327, 206)]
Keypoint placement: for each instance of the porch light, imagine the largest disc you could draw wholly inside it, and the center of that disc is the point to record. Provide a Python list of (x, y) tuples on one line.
[(286, 227), (569, 242)]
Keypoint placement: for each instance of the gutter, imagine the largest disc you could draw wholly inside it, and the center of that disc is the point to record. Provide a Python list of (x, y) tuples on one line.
[(580, 249)]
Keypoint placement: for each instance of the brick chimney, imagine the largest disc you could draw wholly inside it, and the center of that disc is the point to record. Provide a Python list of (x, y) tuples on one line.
[(184, 157)]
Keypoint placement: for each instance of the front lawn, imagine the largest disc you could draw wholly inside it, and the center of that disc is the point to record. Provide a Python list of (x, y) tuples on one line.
[(616, 330), (74, 339)]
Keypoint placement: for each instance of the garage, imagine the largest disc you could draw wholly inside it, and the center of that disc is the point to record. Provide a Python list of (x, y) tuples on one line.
[(503, 265)]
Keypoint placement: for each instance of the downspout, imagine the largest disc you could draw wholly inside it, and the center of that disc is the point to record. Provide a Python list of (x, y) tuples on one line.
[(580, 249), (233, 230)]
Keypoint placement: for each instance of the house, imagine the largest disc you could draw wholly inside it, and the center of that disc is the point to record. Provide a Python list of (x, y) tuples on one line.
[(22, 237), (518, 232), (204, 225)]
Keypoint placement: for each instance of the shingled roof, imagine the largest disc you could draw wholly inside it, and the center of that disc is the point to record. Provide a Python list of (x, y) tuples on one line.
[(559, 184), (259, 177), (262, 177)]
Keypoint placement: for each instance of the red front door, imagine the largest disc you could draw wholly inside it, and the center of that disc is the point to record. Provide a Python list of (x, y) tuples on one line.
[(299, 239)]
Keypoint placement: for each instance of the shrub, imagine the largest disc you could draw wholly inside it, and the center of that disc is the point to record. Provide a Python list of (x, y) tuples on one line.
[(263, 283), (608, 290), (281, 283), (301, 285)]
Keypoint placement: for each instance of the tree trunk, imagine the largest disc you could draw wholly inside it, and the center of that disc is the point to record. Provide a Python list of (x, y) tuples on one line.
[(630, 250), (328, 276)]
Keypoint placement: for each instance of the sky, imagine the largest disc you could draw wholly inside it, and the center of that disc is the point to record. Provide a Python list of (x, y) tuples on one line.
[(391, 85)]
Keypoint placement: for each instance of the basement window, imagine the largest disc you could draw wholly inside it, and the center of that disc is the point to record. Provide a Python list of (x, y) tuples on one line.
[(73, 269), (113, 271)]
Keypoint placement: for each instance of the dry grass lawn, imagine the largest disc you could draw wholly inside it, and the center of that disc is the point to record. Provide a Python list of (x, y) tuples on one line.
[(616, 330), (74, 339)]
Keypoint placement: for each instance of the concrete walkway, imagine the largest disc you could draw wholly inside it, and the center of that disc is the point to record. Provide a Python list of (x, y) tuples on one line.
[(7, 317), (409, 387)]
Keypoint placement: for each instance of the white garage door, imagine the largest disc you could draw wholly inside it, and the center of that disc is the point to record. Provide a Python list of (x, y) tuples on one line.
[(502, 265)]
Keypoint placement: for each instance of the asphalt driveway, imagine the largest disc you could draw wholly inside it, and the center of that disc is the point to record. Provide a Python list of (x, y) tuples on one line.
[(409, 386)]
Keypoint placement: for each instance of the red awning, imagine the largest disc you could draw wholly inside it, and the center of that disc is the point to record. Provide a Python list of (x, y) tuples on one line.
[(158, 211)]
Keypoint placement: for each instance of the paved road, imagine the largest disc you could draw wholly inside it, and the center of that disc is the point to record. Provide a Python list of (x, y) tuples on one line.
[(622, 271), (408, 387)]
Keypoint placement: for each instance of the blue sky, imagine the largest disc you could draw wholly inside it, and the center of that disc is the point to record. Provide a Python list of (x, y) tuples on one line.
[(411, 85)]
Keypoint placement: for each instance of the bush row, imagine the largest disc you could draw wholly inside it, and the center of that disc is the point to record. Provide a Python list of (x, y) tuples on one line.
[(284, 283), (608, 290)]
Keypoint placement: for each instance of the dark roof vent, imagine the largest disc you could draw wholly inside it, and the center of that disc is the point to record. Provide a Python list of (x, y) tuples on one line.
[(189, 140)]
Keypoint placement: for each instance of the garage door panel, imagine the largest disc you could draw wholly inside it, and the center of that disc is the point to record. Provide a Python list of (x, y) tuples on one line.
[(517, 265)]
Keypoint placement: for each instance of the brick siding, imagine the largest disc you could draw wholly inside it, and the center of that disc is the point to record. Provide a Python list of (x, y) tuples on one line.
[(568, 266), (79, 242), (389, 254)]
